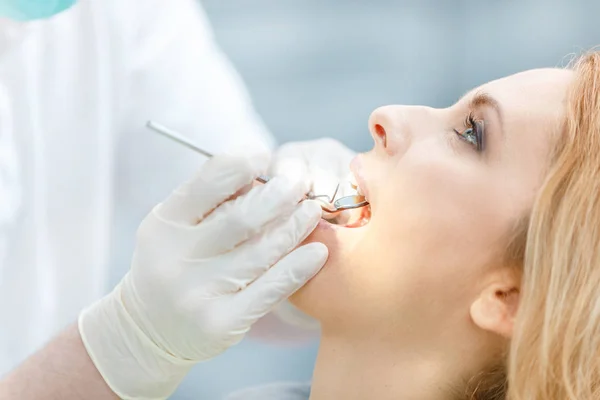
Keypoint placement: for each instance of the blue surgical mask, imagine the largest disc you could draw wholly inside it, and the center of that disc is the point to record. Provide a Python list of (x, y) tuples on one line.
[(26, 10)]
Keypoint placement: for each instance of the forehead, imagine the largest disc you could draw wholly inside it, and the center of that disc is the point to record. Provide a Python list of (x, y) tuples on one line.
[(531, 107), (534, 96), (533, 83)]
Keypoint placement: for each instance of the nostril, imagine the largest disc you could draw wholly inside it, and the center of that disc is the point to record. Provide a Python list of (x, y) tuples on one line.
[(380, 132)]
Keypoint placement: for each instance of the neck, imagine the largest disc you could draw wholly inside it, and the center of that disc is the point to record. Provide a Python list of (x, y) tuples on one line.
[(362, 368)]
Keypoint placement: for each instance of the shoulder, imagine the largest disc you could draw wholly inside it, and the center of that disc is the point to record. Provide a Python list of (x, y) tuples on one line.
[(278, 391)]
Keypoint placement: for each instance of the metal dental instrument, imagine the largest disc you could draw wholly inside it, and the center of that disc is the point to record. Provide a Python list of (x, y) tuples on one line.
[(171, 134), (330, 205)]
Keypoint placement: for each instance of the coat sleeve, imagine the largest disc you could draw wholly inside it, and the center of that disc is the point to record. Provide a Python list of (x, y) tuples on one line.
[(178, 76)]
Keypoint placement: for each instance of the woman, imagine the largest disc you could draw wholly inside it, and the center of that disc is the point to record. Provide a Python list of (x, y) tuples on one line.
[(478, 273)]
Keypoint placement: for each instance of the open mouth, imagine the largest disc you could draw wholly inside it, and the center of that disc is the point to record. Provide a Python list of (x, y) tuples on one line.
[(354, 218)]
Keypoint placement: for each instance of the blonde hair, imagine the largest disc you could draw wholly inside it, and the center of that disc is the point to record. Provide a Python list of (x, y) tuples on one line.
[(555, 351)]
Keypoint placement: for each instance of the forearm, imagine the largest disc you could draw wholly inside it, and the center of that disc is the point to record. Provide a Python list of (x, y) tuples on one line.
[(61, 370)]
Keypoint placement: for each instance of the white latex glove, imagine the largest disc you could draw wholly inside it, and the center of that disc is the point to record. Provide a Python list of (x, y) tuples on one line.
[(204, 270), (322, 164)]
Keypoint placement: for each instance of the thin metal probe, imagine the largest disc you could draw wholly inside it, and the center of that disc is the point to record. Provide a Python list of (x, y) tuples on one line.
[(343, 203), (171, 134)]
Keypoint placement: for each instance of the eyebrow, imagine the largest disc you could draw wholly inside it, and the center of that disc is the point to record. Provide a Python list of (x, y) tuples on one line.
[(482, 99)]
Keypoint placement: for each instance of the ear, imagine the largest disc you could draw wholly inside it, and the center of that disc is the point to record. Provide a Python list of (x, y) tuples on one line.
[(496, 307)]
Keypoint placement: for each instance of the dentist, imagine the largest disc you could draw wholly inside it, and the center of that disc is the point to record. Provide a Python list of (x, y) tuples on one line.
[(75, 91), (208, 263)]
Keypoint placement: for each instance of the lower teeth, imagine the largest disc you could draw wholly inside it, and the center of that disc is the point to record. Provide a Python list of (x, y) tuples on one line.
[(358, 217)]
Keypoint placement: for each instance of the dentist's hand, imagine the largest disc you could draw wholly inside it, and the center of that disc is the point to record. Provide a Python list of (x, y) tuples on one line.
[(322, 164), (205, 268)]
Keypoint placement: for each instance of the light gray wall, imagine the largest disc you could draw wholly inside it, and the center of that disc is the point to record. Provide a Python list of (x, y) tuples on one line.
[(318, 68)]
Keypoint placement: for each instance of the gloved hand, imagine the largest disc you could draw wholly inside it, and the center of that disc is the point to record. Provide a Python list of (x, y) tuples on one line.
[(322, 164), (204, 270)]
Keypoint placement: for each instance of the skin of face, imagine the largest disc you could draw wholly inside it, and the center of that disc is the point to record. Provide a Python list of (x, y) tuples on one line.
[(441, 209)]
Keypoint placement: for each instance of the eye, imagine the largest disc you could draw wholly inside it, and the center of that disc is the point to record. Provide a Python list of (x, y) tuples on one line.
[(473, 133)]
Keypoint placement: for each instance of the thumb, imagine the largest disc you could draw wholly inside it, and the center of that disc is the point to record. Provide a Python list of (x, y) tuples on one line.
[(282, 280), (218, 179), (291, 167)]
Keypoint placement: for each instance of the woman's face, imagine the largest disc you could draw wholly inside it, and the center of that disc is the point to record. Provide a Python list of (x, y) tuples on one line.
[(446, 187)]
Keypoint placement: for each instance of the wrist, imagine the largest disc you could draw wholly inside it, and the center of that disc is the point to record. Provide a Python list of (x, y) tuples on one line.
[(132, 365)]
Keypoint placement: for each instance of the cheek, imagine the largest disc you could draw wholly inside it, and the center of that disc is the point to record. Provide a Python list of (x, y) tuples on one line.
[(327, 295), (438, 226), (434, 226), (427, 246), (452, 213)]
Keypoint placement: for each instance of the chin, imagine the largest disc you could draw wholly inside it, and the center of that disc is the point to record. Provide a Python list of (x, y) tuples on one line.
[(325, 289)]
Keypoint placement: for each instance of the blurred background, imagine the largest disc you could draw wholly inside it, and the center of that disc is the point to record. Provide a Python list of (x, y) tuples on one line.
[(318, 68)]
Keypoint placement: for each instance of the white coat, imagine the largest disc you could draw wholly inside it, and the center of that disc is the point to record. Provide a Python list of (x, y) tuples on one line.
[(75, 93)]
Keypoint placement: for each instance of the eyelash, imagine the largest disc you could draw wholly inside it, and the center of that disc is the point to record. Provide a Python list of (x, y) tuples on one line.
[(473, 133)]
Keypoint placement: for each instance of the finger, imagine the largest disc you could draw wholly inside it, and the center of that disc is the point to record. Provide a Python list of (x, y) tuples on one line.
[(234, 271), (292, 168), (323, 162), (341, 189), (281, 280), (241, 219), (291, 315), (219, 179), (324, 182), (295, 161), (328, 166)]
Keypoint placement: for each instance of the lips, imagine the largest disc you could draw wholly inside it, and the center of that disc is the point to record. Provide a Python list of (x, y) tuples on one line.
[(359, 181), (359, 217), (356, 217)]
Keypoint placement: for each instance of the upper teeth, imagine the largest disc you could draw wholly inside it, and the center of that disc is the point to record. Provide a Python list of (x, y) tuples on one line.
[(359, 191), (354, 184), (352, 180)]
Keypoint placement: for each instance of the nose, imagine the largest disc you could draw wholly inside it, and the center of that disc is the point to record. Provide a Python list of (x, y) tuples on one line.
[(387, 128), (392, 127)]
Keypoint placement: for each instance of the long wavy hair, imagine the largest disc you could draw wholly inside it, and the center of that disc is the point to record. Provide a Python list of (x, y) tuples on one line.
[(555, 351)]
